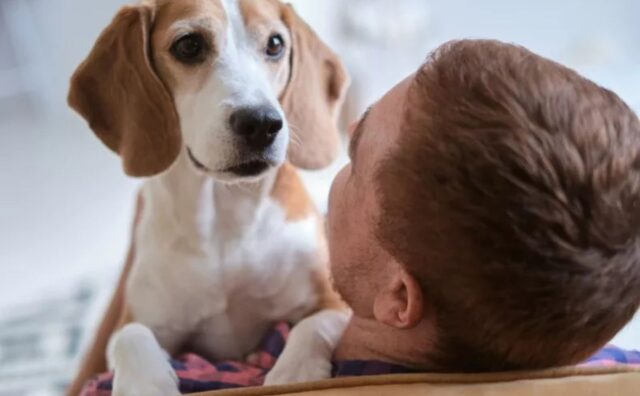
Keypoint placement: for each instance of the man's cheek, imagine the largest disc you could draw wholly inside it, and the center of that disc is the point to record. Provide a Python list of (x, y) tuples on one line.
[(338, 183), (335, 196)]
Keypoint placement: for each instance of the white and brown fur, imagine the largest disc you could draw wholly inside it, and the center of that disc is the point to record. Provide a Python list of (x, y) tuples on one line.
[(215, 259)]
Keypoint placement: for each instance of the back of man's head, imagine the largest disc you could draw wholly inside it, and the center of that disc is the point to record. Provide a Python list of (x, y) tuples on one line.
[(513, 196)]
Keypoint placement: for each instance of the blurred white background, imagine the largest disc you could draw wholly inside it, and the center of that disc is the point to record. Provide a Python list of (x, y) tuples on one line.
[(65, 205)]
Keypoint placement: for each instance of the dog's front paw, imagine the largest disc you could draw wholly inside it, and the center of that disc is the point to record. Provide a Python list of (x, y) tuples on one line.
[(290, 371), (307, 354), (141, 382), (141, 366)]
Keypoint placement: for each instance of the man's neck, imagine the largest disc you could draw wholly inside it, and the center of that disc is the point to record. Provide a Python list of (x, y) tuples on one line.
[(370, 340)]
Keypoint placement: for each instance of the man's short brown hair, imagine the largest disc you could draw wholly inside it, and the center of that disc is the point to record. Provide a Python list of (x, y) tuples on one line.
[(513, 196)]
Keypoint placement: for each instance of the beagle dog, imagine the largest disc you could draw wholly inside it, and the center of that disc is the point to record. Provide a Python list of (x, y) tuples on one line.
[(216, 102)]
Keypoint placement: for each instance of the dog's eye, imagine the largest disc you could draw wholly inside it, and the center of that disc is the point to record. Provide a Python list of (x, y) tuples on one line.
[(190, 49), (275, 46)]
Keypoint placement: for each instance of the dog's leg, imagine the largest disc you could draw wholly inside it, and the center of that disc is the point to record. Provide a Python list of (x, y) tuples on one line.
[(141, 366), (307, 355)]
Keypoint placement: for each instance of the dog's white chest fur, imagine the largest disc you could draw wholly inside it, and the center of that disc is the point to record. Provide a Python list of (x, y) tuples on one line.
[(216, 265)]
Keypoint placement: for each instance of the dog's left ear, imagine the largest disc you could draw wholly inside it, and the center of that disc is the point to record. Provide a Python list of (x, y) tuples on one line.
[(313, 97)]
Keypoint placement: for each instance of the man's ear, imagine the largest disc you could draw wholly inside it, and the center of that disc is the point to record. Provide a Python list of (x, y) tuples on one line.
[(313, 96), (125, 103), (400, 303)]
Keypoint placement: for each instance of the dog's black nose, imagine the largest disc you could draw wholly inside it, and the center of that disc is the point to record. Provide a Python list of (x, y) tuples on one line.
[(258, 126)]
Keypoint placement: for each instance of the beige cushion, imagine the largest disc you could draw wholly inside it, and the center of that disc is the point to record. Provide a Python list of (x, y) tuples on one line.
[(614, 381)]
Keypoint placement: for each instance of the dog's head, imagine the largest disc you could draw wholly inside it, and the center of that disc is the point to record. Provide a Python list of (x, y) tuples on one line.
[(238, 86)]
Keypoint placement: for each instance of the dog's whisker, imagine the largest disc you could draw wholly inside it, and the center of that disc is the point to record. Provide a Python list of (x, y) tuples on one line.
[(244, 188), (231, 188), (296, 141), (296, 138)]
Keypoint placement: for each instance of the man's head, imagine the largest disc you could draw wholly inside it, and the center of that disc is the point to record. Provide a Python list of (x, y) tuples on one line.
[(495, 195)]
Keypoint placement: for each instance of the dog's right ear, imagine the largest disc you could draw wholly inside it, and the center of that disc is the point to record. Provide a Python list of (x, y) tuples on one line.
[(314, 95), (124, 101)]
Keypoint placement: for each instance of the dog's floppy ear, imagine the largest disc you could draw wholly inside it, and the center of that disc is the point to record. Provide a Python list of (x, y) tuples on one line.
[(125, 103), (313, 97)]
